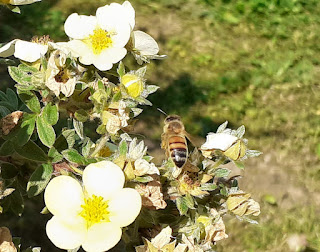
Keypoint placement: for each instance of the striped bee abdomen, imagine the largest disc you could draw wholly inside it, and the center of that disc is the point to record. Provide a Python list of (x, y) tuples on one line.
[(178, 150)]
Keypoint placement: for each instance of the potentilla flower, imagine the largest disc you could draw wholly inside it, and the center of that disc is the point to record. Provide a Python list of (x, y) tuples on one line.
[(25, 50), (59, 77), (100, 39), (91, 215)]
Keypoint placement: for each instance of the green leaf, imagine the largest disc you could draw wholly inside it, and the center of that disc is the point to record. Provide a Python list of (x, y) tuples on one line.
[(189, 201), (224, 191), (31, 100), (6, 149), (222, 127), (55, 155), (70, 136), (45, 132), (26, 129), (8, 170), (50, 114), (143, 101), (86, 147), (101, 129), (121, 69), (117, 97), (14, 8), (144, 179), (39, 180), (81, 115), (31, 151), (208, 187), (16, 203), (74, 156), (253, 153), (12, 98), (123, 148), (4, 111), (182, 205), (22, 74), (61, 143), (152, 88), (222, 172), (239, 164), (240, 131)]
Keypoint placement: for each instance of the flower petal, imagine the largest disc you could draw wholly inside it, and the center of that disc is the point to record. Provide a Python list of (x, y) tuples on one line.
[(116, 13), (8, 49), (103, 179), (79, 48), (129, 13), (79, 26), (144, 43), (219, 141), (23, 2), (29, 51), (102, 237), (66, 235), (64, 196), (106, 58), (124, 206)]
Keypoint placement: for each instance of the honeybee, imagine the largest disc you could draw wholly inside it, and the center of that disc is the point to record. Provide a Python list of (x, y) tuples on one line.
[(174, 141)]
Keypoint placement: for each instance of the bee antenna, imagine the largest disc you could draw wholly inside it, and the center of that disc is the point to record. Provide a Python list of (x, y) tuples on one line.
[(162, 111)]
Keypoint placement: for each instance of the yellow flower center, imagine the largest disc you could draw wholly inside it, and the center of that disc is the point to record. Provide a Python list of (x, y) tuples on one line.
[(95, 210), (100, 40)]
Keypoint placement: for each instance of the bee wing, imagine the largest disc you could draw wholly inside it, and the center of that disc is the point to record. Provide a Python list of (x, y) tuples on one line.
[(191, 139)]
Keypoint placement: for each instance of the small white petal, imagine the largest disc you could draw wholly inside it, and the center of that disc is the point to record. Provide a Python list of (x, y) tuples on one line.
[(79, 26), (102, 237), (122, 35), (64, 196), (106, 58), (8, 49), (116, 14), (78, 47), (103, 179), (219, 141), (23, 2), (66, 235), (129, 13), (29, 51), (68, 88), (144, 43), (124, 206)]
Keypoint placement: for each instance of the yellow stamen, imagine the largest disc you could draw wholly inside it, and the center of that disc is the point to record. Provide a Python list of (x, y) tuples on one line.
[(95, 210), (100, 40)]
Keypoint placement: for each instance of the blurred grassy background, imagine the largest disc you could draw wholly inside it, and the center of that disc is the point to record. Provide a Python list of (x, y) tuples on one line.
[(251, 62)]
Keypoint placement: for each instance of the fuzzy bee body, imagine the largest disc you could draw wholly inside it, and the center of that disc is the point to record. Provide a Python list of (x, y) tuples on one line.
[(178, 150), (174, 141)]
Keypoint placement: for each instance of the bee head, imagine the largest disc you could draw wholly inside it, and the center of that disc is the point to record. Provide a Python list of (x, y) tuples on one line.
[(172, 118)]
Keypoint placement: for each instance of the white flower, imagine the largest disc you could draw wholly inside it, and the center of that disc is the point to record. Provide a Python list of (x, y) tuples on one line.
[(59, 78), (136, 151), (116, 120), (219, 141), (90, 216), (144, 47), (24, 50), (142, 167), (19, 2), (100, 39)]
